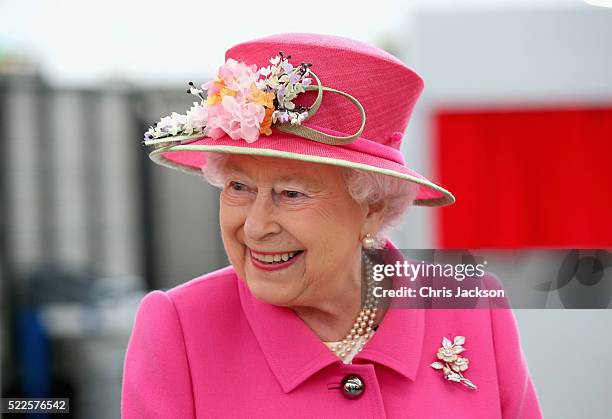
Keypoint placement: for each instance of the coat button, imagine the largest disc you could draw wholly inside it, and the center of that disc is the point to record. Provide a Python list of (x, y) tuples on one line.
[(353, 386)]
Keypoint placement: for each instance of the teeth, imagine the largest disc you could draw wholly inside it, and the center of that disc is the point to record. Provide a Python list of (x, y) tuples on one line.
[(275, 257)]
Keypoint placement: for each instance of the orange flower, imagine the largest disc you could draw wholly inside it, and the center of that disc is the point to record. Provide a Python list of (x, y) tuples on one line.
[(220, 91), (267, 122), (262, 98)]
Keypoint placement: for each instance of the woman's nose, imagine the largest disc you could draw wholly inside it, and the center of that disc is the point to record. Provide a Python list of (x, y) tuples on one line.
[(261, 218)]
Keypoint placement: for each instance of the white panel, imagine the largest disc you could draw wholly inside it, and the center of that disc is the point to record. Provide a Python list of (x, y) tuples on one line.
[(563, 349), (23, 172), (541, 56), (70, 142), (118, 171)]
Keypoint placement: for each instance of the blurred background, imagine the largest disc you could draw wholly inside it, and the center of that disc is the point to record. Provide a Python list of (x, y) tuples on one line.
[(515, 120)]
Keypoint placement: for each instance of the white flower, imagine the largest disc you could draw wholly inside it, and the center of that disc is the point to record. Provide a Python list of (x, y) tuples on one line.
[(275, 60), (196, 119), (165, 122), (283, 117), (198, 112), (460, 364), (272, 82), (178, 122), (265, 71), (449, 350)]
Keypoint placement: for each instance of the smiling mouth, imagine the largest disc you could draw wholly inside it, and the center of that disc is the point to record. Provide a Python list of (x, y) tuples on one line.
[(274, 258)]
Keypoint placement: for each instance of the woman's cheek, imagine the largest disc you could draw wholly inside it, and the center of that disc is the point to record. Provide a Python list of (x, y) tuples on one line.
[(231, 215), (229, 223)]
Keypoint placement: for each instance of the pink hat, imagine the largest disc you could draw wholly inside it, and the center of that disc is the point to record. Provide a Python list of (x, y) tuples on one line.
[(309, 97)]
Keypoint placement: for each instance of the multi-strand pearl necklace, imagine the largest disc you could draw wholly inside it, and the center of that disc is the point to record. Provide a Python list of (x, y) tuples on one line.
[(362, 329)]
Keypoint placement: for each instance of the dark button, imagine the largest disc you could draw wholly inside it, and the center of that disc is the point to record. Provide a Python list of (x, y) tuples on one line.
[(353, 386)]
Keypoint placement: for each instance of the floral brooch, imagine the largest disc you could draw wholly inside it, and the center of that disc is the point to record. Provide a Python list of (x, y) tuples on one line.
[(453, 364), (244, 101)]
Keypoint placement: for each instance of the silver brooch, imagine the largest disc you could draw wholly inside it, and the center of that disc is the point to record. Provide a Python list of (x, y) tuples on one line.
[(452, 363)]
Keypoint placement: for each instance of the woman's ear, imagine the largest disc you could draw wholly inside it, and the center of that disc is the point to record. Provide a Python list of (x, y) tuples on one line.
[(374, 215)]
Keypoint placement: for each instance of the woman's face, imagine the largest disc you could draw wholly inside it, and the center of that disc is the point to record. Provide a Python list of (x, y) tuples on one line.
[(299, 214)]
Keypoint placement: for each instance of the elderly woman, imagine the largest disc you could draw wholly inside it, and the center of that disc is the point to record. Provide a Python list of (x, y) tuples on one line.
[(289, 329)]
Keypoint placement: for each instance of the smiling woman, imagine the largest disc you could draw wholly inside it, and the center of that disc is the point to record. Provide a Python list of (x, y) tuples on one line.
[(307, 188), (270, 207)]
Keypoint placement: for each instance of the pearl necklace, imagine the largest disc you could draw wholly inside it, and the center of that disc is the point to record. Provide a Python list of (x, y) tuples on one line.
[(362, 331)]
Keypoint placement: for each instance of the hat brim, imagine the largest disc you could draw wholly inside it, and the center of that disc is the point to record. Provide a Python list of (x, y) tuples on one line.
[(188, 154)]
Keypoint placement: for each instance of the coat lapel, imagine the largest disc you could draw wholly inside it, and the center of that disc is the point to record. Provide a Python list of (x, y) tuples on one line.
[(294, 352)]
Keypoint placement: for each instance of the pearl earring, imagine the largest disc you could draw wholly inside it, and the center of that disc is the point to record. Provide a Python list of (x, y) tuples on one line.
[(368, 241)]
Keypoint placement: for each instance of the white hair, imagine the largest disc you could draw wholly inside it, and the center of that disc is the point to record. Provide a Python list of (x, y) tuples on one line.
[(363, 186)]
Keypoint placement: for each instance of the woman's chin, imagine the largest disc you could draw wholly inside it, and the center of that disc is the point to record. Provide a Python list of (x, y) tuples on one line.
[(269, 292), (272, 287)]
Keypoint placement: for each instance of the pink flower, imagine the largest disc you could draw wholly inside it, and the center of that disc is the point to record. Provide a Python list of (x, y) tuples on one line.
[(211, 87), (216, 114), (237, 119), (238, 76)]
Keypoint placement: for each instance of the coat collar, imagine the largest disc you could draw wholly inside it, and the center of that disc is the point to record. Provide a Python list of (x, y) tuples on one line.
[(294, 352)]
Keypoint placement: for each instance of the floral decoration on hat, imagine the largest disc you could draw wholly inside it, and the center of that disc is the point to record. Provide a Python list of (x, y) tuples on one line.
[(453, 364), (240, 103)]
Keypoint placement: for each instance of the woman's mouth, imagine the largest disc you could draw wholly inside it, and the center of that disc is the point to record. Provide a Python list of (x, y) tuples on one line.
[(272, 261)]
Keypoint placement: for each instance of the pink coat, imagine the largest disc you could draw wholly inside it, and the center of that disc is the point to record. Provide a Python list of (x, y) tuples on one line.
[(208, 348)]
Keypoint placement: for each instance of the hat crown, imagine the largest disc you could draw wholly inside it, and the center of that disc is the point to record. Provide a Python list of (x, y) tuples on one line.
[(384, 85)]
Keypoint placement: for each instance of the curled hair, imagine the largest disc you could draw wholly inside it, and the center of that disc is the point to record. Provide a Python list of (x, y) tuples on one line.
[(363, 186)]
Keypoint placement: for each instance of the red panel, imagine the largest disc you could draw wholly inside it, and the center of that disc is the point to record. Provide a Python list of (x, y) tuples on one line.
[(525, 178)]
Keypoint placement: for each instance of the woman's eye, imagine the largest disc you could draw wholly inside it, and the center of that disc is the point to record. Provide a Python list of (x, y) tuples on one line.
[(237, 186), (293, 194)]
